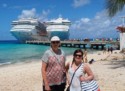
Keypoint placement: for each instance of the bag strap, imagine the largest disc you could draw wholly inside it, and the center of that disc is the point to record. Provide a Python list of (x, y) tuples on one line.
[(74, 74)]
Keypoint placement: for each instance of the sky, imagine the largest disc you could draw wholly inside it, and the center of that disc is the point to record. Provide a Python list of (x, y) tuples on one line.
[(88, 18)]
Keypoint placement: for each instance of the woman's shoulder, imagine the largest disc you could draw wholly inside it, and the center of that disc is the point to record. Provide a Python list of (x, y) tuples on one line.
[(86, 64), (69, 63), (86, 67), (48, 51)]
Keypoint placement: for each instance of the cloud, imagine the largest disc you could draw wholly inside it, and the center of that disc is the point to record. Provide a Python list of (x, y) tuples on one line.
[(28, 13), (44, 15), (78, 3), (32, 14), (99, 26)]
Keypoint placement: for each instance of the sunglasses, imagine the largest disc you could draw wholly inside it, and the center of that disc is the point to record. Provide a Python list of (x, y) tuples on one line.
[(55, 42), (78, 55)]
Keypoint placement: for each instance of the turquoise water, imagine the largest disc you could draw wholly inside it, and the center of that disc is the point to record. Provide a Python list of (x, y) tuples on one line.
[(15, 52)]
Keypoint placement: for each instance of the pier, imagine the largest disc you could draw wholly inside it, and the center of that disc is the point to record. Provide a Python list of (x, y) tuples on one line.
[(79, 44)]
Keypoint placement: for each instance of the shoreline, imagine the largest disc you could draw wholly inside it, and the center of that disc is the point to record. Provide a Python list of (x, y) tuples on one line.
[(109, 71)]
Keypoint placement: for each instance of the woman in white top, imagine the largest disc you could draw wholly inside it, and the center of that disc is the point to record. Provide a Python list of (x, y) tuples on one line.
[(80, 68)]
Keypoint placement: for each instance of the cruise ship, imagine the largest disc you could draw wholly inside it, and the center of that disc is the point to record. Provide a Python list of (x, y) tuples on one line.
[(29, 29), (58, 27)]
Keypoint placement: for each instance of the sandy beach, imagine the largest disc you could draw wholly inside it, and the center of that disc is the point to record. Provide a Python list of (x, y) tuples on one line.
[(109, 71)]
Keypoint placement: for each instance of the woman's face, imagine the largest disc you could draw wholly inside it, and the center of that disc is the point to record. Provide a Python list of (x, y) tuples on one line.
[(78, 57), (55, 44)]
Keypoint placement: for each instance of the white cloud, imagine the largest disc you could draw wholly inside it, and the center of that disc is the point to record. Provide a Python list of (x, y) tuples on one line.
[(44, 15), (99, 26), (32, 14), (28, 13), (78, 3), (85, 20)]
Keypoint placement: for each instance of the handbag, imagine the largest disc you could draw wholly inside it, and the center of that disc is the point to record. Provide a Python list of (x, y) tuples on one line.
[(68, 88), (89, 85)]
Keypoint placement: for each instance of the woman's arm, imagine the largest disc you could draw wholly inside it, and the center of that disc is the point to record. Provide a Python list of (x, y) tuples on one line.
[(67, 68), (89, 73), (43, 70)]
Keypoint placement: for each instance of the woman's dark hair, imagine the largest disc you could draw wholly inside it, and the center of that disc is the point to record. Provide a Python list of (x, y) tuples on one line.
[(76, 51)]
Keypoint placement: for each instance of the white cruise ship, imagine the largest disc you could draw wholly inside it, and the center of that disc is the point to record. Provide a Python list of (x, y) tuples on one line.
[(29, 29), (58, 27)]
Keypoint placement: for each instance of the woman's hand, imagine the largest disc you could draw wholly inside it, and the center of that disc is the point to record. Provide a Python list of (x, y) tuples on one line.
[(47, 88), (82, 78)]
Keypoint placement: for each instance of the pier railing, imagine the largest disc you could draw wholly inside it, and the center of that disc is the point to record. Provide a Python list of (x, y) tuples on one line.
[(92, 44)]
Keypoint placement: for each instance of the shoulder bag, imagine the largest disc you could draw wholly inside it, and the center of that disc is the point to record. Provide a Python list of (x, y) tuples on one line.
[(89, 85)]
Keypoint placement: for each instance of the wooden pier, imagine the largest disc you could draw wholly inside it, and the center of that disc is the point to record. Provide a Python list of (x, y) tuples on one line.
[(79, 44)]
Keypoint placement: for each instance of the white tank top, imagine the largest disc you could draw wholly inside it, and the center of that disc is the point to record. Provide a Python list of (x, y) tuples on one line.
[(75, 85)]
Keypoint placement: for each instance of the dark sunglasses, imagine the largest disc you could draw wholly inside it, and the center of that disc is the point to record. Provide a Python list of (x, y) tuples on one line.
[(77, 55), (55, 42)]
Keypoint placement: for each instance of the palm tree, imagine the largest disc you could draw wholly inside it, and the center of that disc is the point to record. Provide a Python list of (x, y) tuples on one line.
[(113, 6)]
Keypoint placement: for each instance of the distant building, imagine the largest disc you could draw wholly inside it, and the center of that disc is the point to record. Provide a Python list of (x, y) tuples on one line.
[(122, 36)]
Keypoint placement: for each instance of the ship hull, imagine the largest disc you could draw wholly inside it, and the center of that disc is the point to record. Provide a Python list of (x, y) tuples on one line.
[(63, 35), (23, 36)]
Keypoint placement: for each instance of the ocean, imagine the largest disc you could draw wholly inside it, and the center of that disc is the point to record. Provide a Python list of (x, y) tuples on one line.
[(14, 52)]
